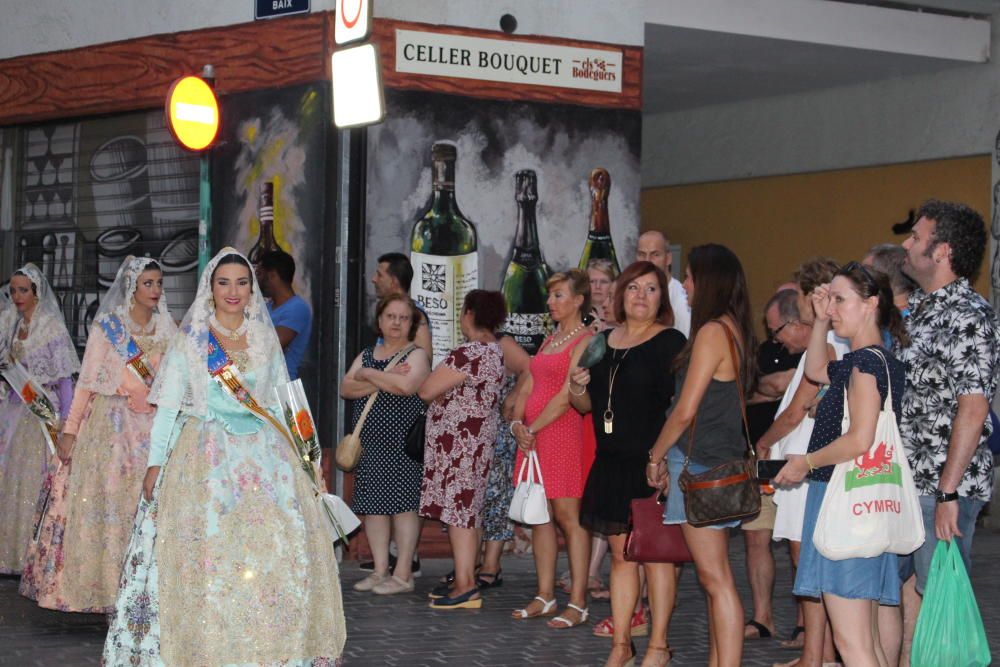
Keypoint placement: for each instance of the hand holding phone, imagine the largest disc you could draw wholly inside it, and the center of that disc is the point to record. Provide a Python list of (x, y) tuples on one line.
[(768, 469)]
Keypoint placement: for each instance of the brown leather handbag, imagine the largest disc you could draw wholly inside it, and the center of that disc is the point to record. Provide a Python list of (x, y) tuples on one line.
[(649, 541), (729, 491)]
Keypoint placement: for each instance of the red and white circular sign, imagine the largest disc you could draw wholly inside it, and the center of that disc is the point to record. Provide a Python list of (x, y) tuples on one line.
[(353, 21)]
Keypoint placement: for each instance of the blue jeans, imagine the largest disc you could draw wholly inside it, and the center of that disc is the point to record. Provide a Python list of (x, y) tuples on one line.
[(919, 562)]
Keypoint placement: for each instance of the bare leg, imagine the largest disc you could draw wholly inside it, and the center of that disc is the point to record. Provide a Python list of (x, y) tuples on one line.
[(910, 609), (710, 548), (567, 515), (890, 629), (544, 548), (624, 592), (377, 531), (760, 573), (406, 533), (662, 586), (492, 553), (598, 550), (852, 622), (464, 549)]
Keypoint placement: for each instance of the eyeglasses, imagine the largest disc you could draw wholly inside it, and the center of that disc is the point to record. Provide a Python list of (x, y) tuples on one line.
[(774, 334)]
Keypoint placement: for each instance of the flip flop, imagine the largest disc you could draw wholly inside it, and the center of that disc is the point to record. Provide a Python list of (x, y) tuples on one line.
[(762, 631), (796, 640)]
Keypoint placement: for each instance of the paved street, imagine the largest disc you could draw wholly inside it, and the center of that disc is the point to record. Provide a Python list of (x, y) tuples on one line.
[(399, 630)]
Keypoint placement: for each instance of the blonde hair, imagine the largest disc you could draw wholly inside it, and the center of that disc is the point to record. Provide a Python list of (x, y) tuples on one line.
[(604, 266), (579, 285)]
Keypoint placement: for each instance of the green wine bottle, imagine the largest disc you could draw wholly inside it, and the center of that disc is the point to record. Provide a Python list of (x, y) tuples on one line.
[(524, 279), (444, 255), (599, 244)]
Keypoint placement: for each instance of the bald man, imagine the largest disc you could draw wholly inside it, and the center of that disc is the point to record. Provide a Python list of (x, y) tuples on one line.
[(654, 247)]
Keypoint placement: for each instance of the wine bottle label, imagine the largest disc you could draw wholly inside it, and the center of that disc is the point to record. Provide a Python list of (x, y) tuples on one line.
[(527, 329), (440, 284)]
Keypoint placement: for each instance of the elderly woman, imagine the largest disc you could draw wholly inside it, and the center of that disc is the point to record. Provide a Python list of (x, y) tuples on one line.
[(552, 427), (858, 305), (387, 481), (707, 377), (632, 385), (464, 395)]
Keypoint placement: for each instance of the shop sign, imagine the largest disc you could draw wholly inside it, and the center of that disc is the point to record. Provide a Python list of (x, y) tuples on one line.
[(517, 62), (269, 9)]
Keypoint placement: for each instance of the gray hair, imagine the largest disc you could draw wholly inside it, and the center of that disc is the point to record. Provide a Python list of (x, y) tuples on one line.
[(888, 258), (787, 301)]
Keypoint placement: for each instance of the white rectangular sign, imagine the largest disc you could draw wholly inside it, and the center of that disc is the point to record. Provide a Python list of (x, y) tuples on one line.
[(526, 63)]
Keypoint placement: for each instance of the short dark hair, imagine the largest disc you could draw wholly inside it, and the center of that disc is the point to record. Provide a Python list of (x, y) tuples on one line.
[(384, 302), (399, 268), (280, 262), (664, 313), (787, 301), (962, 228), (888, 258), (487, 308), (815, 272), (876, 284)]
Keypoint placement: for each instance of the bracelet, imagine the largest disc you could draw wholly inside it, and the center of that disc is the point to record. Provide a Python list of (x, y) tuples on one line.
[(511, 427), (809, 463), (583, 387)]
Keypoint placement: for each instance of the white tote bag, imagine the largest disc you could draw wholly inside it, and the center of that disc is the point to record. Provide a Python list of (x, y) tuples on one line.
[(871, 505), (529, 505)]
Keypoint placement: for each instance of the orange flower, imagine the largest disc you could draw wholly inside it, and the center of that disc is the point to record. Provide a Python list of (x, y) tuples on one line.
[(28, 394), (304, 424)]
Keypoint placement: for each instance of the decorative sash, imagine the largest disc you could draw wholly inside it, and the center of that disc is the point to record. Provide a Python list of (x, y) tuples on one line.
[(306, 450), (127, 348), (35, 397)]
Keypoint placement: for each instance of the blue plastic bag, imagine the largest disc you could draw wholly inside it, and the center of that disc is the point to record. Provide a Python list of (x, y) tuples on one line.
[(949, 628)]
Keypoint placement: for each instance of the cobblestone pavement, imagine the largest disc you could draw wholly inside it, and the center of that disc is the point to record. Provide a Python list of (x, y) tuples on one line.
[(400, 630)]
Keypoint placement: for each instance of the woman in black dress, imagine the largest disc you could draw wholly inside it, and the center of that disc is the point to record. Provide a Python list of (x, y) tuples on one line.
[(628, 392)]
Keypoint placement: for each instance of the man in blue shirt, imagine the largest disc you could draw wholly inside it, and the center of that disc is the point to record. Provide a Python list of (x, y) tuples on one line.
[(290, 314)]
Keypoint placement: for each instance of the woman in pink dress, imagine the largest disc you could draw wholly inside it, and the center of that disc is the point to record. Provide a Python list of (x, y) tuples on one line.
[(555, 430)]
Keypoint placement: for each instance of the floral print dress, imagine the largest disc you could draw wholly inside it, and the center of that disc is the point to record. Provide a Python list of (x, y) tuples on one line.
[(460, 433)]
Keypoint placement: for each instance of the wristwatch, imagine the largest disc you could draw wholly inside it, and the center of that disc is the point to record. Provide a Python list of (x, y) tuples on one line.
[(942, 497)]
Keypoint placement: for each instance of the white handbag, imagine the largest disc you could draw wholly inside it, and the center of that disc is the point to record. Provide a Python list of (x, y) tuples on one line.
[(342, 520), (871, 506), (529, 505)]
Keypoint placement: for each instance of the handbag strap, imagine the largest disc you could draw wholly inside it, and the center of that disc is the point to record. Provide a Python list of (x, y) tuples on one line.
[(734, 355), (537, 466), (887, 403), (371, 399)]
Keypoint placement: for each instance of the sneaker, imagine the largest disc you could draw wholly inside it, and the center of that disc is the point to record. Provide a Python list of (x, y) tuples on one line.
[(393, 585), (370, 582)]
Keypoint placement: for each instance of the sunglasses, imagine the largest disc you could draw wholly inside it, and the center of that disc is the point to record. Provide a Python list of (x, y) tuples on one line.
[(851, 267)]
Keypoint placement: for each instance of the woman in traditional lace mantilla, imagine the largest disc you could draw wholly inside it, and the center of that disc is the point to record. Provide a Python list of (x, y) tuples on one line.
[(229, 560), (35, 348), (76, 561)]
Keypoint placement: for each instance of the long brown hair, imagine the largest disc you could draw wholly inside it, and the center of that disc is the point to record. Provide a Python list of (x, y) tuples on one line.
[(721, 289)]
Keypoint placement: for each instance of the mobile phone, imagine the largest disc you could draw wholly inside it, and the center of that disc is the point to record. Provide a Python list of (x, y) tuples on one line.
[(768, 469)]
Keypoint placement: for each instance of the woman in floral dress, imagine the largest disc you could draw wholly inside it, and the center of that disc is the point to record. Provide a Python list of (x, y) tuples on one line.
[(229, 561), (33, 334), (464, 393), (77, 560)]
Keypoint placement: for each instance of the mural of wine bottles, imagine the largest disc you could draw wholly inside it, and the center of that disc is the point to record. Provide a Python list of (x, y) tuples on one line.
[(498, 195)]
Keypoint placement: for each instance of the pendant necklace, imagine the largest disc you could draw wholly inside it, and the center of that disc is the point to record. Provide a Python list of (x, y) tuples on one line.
[(609, 414), (231, 334)]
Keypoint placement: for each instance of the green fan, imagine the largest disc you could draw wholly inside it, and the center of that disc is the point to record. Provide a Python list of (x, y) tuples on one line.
[(596, 349)]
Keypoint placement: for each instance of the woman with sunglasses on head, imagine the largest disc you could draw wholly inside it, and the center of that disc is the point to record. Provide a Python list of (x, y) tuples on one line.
[(33, 340), (76, 562), (708, 371), (858, 305), (231, 560)]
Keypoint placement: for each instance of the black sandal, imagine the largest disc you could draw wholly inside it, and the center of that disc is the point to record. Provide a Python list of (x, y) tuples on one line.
[(494, 580), (762, 631), (793, 641)]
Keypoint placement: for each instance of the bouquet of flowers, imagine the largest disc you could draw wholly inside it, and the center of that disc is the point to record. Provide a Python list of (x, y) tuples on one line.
[(299, 421), (35, 397)]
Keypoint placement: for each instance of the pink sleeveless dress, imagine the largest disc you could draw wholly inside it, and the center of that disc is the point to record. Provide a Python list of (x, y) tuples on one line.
[(560, 444)]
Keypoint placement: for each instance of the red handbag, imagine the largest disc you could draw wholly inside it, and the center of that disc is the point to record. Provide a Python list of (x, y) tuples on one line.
[(649, 541)]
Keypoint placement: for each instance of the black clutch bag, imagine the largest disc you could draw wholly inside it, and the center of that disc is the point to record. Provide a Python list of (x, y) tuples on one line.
[(414, 445)]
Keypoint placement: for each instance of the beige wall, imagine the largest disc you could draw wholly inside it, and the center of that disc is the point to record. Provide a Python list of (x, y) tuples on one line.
[(776, 222)]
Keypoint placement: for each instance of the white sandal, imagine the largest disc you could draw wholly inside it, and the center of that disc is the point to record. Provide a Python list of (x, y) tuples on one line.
[(548, 608), (584, 614)]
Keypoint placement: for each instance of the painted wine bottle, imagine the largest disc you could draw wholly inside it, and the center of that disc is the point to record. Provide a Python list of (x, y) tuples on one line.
[(265, 214), (599, 244), (444, 254), (524, 279)]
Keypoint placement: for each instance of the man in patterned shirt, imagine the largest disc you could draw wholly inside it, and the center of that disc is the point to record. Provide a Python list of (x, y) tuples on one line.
[(951, 376)]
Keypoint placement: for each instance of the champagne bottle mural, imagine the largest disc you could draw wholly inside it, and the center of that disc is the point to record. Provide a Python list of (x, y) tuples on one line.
[(599, 244), (443, 251), (524, 279), (265, 213)]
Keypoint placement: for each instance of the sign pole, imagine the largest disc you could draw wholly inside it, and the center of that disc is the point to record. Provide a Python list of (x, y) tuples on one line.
[(205, 192)]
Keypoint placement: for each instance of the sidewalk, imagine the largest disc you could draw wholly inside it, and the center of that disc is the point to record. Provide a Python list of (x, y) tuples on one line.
[(400, 630)]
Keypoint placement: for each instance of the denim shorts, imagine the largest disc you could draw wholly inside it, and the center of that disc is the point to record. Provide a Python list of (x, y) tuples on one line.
[(919, 562), (674, 510), (875, 578)]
